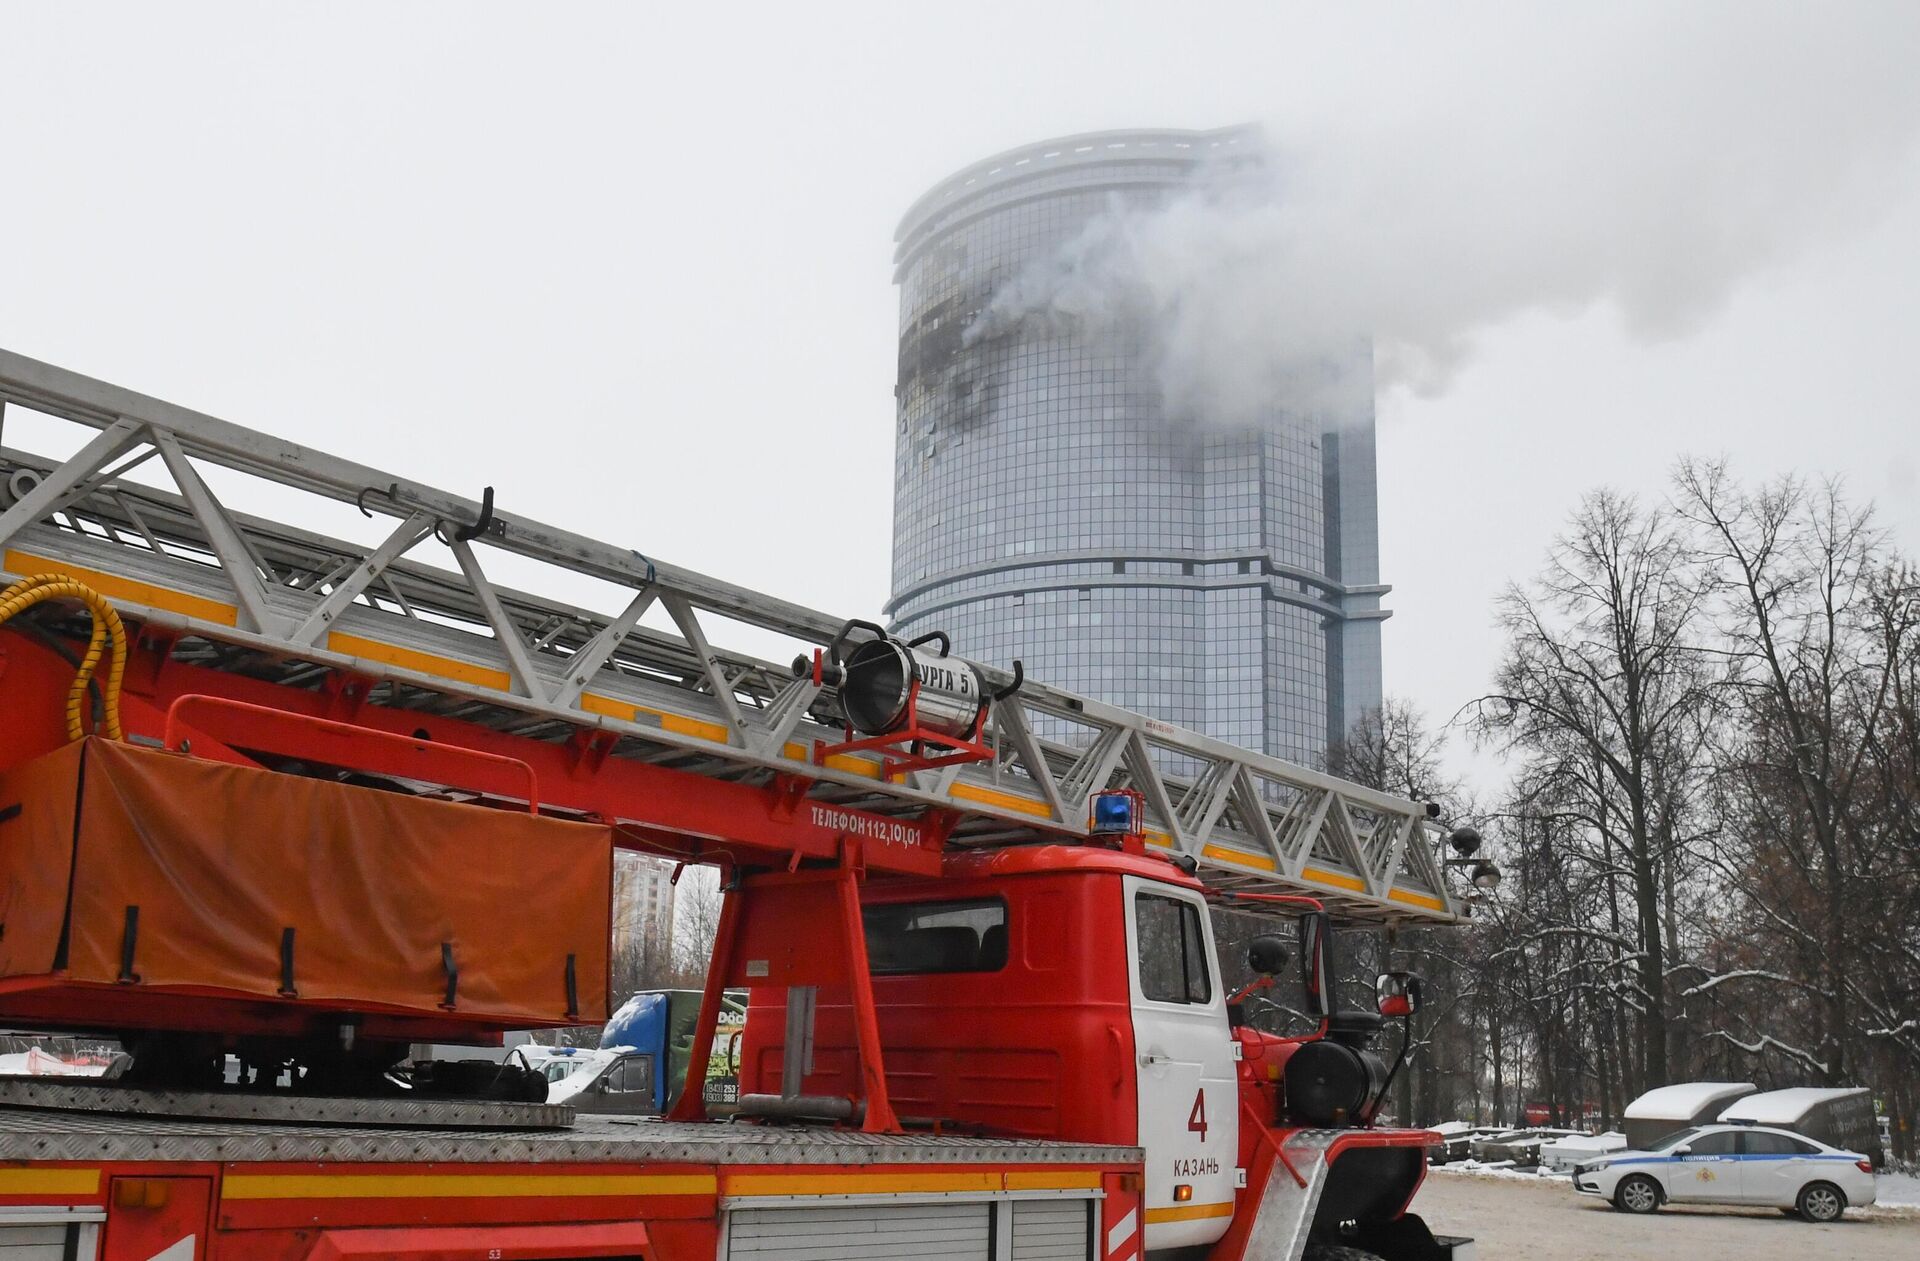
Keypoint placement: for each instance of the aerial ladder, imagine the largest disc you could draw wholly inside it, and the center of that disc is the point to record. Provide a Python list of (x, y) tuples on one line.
[(590, 690), (627, 711)]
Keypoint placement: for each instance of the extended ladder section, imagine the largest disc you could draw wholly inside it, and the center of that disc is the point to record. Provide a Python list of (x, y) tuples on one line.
[(420, 612)]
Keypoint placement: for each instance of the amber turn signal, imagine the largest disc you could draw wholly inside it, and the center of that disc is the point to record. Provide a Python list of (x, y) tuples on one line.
[(140, 1192)]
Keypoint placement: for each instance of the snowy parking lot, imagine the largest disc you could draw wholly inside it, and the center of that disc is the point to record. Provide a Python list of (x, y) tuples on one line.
[(1521, 1217)]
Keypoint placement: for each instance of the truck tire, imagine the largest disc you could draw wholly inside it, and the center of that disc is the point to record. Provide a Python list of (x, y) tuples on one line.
[(1637, 1194), (1821, 1202), (1337, 1252)]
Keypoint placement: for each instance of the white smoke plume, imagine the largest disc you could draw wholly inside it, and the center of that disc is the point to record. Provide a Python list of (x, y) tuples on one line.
[(1668, 157)]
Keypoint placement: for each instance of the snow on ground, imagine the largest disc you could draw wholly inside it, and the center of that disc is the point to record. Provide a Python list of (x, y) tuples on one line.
[(1518, 1217), (1494, 1169), (1898, 1190), (1892, 1190)]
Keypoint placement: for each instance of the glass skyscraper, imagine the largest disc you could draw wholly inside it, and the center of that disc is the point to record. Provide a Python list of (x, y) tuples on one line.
[(1049, 506)]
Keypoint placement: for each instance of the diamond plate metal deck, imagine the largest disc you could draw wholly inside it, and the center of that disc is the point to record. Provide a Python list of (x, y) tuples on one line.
[(31, 1134), (55, 1094)]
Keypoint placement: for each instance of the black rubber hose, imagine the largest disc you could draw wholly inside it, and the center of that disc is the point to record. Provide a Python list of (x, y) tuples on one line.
[(946, 645), (833, 649)]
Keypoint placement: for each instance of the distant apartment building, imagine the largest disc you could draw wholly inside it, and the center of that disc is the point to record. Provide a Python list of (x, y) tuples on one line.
[(642, 902)]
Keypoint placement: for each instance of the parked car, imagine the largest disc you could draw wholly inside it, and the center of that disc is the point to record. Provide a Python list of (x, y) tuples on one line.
[(1560, 1155), (1456, 1140), (619, 1079), (1437, 1154), (609, 1079), (1733, 1164), (1522, 1147), (1841, 1116), (1667, 1110)]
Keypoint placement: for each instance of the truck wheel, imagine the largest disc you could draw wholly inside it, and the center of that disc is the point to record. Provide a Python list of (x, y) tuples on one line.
[(1638, 1194), (1821, 1202), (1335, 1252)]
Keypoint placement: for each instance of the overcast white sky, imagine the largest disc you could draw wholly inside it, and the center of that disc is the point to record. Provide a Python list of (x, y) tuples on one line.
[(634, 268)]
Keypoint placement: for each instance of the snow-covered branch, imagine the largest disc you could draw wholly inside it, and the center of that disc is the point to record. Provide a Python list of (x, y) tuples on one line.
[(1745, 973)]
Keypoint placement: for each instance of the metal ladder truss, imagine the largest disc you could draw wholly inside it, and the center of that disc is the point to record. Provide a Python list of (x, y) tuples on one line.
[(290, 605)]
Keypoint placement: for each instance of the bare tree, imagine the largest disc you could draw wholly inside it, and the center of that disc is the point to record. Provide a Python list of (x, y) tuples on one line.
[(1712, 833), (696, 922), (1393, 748), (1819, 624), (1602, 694)]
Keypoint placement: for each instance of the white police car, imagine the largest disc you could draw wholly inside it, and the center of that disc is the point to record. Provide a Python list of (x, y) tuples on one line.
[(1733, 1164)]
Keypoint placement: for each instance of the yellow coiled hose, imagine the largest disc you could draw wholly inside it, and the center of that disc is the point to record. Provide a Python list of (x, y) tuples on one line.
[(109, 637)]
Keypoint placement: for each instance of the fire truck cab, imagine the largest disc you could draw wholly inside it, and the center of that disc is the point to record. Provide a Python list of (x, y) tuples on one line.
[(1048, 992), (1072, 993)]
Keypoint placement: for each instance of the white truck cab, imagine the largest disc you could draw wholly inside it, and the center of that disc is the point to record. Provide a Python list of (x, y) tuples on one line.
[(1189, 1109)]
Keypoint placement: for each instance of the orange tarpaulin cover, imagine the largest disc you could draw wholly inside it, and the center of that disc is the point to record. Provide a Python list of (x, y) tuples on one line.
[(221, 860)]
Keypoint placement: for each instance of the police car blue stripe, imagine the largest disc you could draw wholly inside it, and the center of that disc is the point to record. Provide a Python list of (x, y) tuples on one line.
[(1681, 1160)]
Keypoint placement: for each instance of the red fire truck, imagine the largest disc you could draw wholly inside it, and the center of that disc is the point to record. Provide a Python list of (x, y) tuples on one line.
[(277, 806)]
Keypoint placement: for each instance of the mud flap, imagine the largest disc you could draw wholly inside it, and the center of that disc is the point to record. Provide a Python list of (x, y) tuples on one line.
[(1295, 1209), (1406, 1238), (1284, 1216)]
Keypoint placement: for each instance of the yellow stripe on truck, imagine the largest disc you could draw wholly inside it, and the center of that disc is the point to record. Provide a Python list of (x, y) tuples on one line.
[(1261, 861), (200, 608), (419, 662), (625, 712), (49, 1181), (1006, 801), (1033, 1180), (838, 761), (1334, 878), (392, 1186), (1189, 1212), (750, 1184)]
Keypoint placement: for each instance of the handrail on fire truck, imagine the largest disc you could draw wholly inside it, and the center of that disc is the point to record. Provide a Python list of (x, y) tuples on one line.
[(626, 710)]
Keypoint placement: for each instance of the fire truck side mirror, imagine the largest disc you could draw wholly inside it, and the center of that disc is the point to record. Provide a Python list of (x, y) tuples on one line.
[(1267, 954), (1316, 962), (1398, 993)]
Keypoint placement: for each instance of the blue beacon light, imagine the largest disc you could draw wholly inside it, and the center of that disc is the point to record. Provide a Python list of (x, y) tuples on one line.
[(1115, 814)]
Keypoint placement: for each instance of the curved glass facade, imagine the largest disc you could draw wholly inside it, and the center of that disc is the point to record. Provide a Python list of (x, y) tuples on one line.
[(1048, 507)]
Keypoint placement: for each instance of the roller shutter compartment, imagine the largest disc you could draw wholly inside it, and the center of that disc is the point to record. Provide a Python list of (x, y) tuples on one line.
[(1051, 1230), (862, 1232), (35, 1243)]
